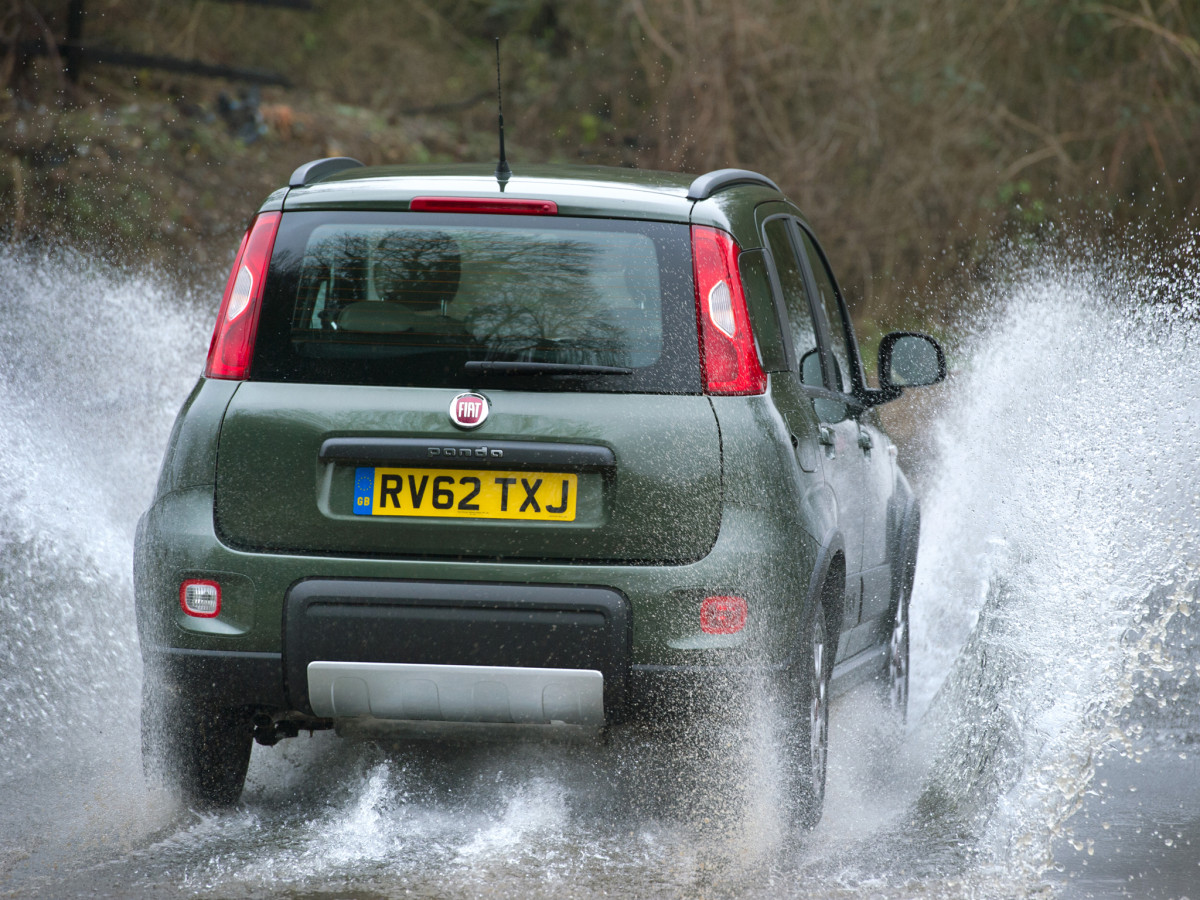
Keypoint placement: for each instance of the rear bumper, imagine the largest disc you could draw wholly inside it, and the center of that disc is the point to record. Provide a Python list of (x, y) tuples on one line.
[(637, 625), (256, 681), (460, 635)]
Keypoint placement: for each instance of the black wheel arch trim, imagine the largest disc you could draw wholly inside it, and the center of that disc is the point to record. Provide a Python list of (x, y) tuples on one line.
[(831, 547), (904, 553)]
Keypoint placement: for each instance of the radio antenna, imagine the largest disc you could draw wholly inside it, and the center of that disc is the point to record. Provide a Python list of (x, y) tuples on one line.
[(503, 172)]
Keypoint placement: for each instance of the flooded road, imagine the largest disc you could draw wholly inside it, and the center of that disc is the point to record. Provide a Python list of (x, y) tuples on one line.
[(1052, 741), (1138, 831)]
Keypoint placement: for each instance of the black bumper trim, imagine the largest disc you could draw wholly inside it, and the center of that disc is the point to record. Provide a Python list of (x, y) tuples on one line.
[(224, 677), (457, 624)]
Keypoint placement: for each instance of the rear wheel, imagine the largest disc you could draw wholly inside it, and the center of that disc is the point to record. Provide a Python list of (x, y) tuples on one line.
[(807, 702), (818, 720), (199, 750), (898, 644), (897, 670)]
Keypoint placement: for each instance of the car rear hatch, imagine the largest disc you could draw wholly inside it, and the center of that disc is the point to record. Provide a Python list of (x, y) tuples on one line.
[(578, 337)]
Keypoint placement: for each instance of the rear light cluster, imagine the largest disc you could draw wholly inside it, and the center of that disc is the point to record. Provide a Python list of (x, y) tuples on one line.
[(728, 355), (200, 598), (232, 345)]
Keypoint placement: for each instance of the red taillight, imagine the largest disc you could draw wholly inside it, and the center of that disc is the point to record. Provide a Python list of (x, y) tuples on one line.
[(723, 615), (232, 344), (728, 356), (200, 598), (503, 205)]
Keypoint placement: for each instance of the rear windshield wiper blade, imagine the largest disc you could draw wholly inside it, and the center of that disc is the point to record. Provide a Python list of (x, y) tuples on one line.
[(541, 368)]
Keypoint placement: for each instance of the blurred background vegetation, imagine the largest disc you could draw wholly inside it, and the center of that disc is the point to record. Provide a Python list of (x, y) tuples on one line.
[(920, 136)]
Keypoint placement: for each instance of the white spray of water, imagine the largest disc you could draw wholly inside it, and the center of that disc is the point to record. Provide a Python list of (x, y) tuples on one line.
[(1066, 494), (90, 379)]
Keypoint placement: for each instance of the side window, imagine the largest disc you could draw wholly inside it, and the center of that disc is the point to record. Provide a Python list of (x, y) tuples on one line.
[(763, 312), (827, 302), (791, 280)]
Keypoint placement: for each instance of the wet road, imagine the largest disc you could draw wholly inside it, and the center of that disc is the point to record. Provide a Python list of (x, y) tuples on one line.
[(1137, 833)]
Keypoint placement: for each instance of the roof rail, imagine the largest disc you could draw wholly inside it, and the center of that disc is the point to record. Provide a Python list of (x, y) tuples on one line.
[(321, 168), (706, 185)]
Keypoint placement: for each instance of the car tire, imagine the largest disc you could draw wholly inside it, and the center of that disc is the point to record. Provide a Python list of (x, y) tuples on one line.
[(897, 662), (200, 751), (806, 703), (896, 668)]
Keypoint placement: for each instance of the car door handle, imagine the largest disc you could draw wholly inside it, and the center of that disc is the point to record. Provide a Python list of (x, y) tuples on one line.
[(864, 440), (825, 435)]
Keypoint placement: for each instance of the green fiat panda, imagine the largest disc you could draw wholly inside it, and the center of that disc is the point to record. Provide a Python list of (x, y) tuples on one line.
[(521, 451)]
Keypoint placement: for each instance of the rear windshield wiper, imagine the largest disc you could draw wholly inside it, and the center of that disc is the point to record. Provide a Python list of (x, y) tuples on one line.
[(541, 368)]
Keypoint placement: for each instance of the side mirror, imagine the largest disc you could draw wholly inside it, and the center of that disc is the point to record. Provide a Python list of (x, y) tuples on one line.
[(909, 359)]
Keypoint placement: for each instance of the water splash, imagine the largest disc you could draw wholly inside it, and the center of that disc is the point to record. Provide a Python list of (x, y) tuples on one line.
[(1059, 547), (90, 379), (1065, 498)]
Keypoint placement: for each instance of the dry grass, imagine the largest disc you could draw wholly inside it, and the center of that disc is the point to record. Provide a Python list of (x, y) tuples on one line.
[(916, 133)]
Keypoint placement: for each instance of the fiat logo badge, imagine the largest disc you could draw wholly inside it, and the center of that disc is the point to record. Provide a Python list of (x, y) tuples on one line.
[(469, 410)]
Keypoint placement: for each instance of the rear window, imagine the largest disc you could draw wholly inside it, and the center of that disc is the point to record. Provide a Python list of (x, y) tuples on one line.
[(442, 300)]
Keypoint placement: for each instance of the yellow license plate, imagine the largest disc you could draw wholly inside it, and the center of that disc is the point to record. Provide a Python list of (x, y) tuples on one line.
[(465, 493)]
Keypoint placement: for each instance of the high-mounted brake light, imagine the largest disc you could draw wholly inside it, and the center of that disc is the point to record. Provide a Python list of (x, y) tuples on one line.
[(232, 345), (503, 205), (200, 598), (723, 615), (728, 355)]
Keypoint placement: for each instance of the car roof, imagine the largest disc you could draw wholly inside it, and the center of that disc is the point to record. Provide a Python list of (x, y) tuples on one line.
[(578, 190)]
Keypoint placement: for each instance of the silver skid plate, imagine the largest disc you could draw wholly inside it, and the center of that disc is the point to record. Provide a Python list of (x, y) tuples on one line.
[(456, 693)]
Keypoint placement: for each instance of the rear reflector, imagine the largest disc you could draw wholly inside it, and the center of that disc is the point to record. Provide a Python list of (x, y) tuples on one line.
[(502, 205), (722, 615), (728, 355), (199, 598), (232, 345)]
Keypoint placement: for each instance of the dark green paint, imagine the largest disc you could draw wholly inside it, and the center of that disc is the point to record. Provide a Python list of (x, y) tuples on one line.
[(662, 505), (191, 457)]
